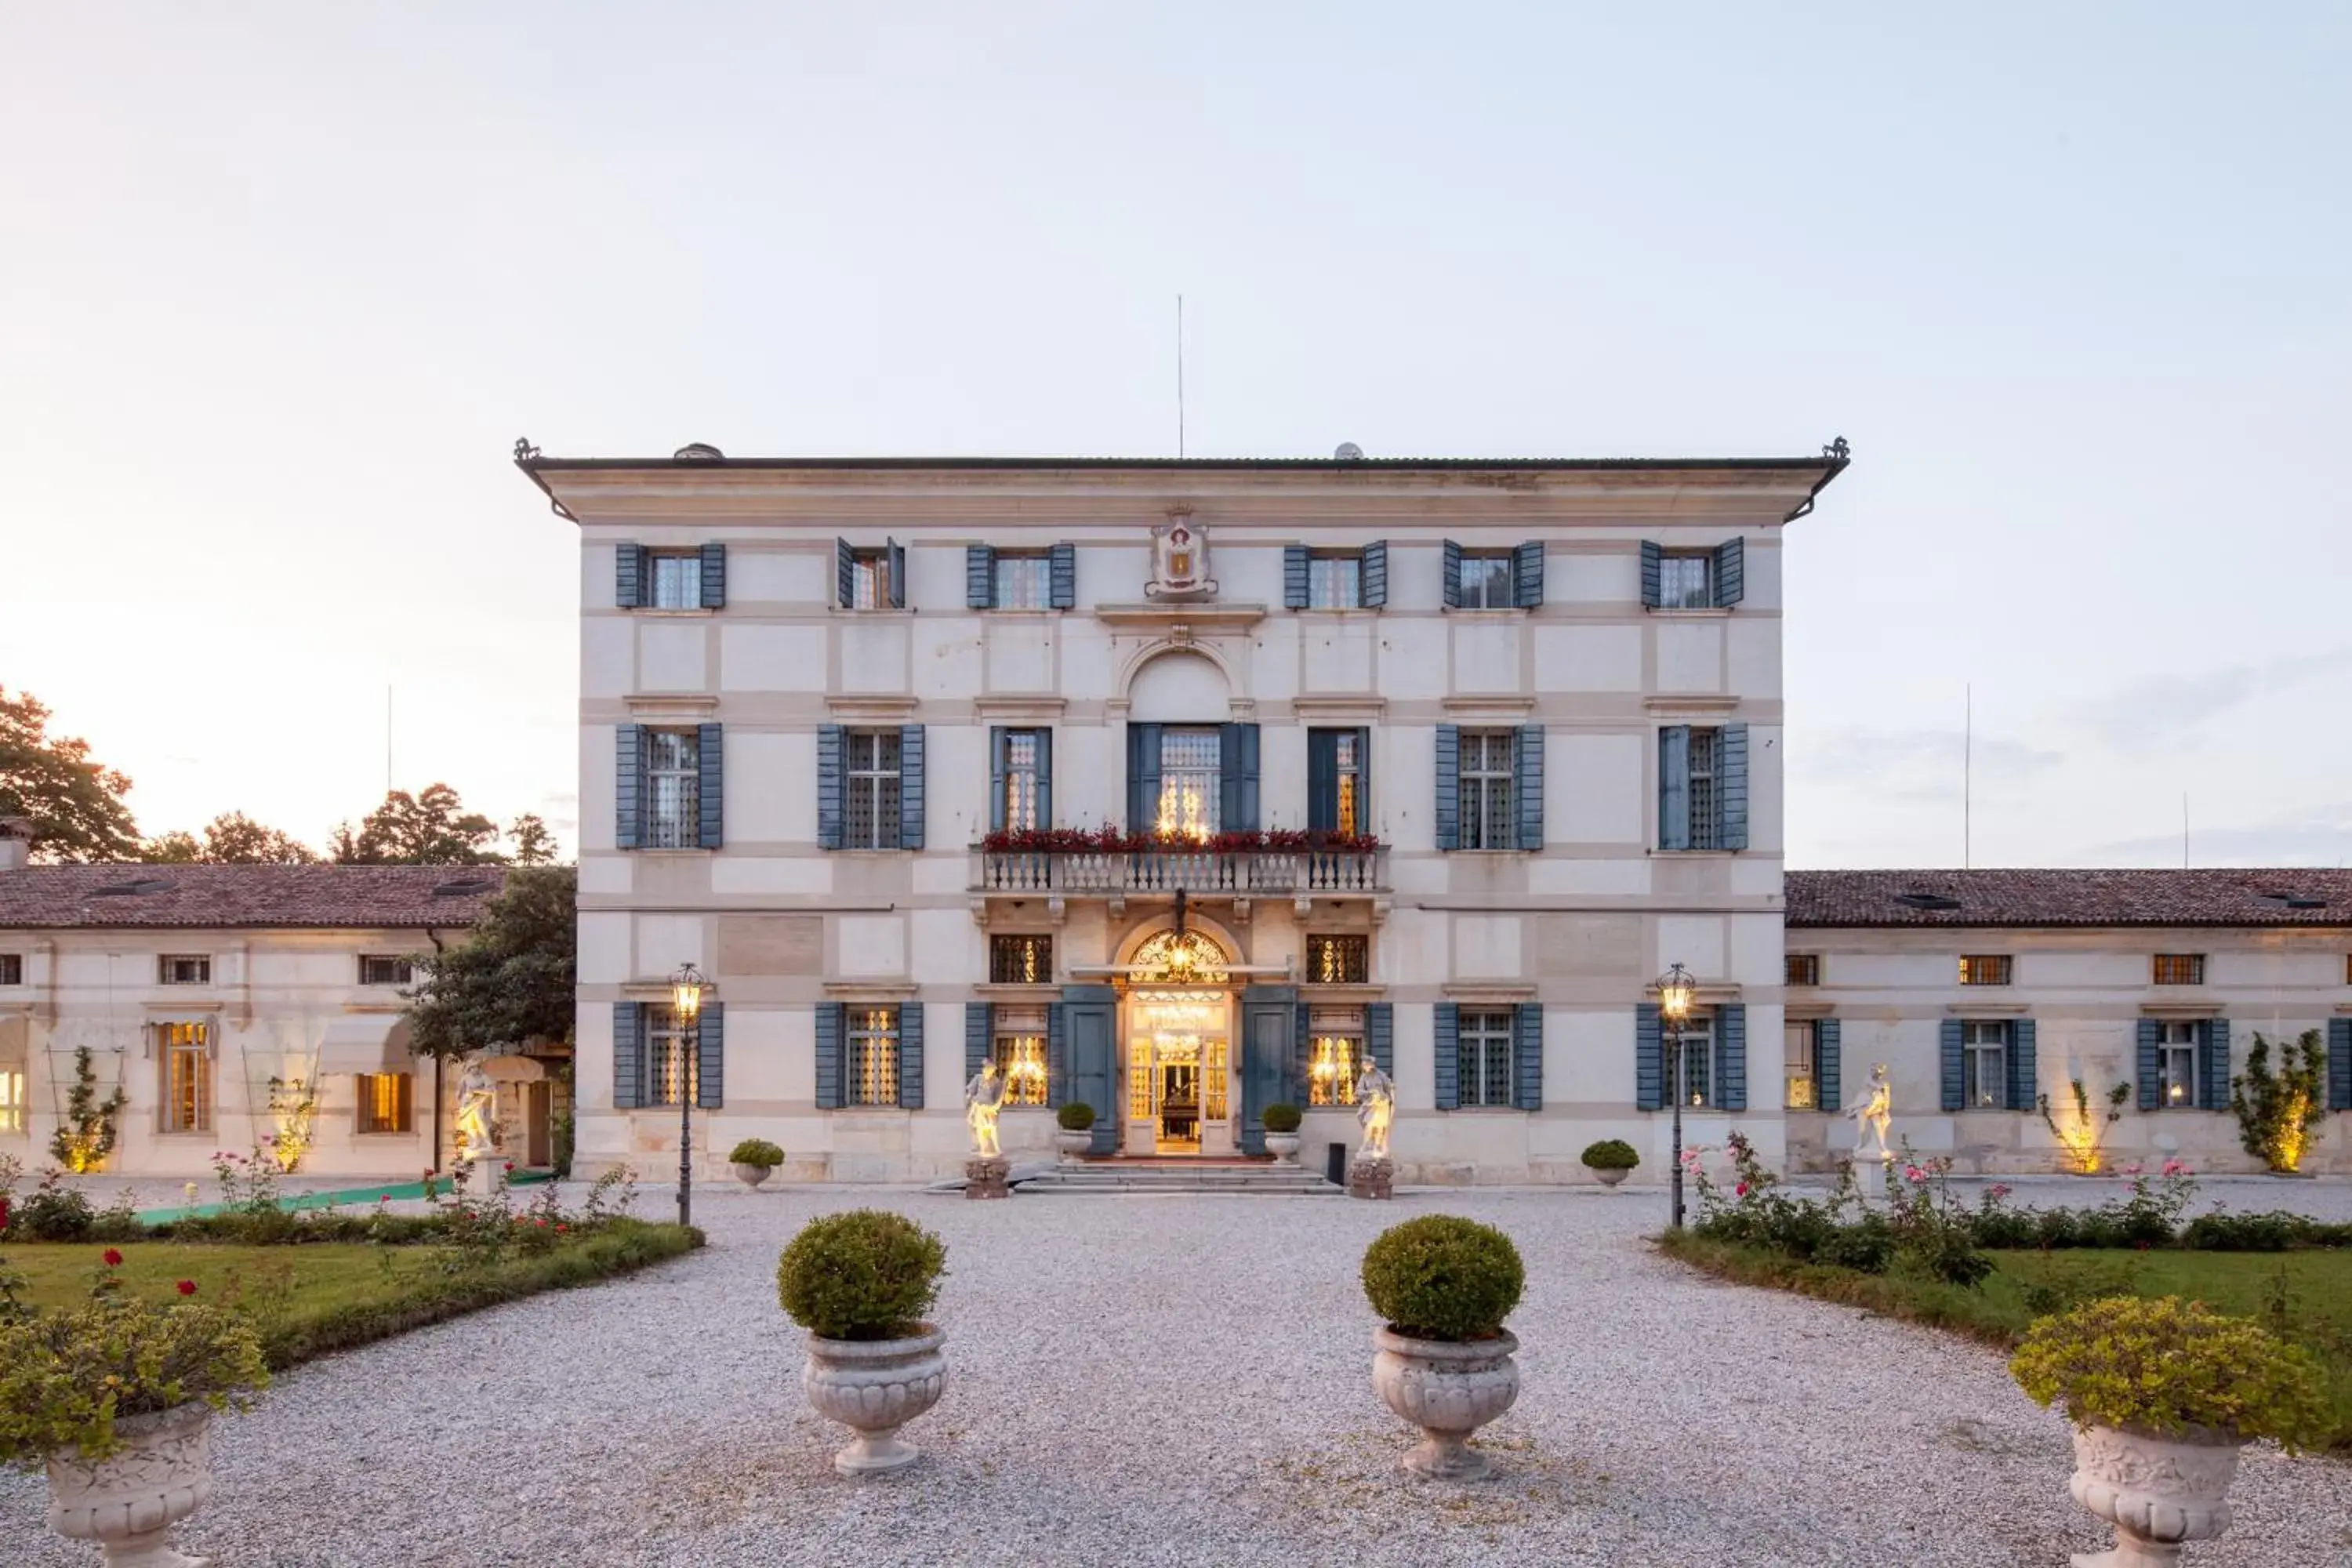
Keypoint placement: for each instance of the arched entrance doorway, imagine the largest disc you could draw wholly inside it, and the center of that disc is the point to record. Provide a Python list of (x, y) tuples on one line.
[(1180, 1073)]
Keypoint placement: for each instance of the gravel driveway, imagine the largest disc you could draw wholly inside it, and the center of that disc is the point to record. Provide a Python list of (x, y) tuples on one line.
[(1180, 1379)]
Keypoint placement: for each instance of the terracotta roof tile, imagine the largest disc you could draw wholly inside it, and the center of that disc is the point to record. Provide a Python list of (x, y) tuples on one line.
[(2071, 897), (320, 896)]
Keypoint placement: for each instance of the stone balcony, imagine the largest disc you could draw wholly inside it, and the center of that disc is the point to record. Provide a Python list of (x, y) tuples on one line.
[(1203, 874)]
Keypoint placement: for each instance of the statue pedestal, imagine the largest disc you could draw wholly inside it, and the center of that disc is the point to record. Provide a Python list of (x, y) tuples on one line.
[(1370, 1178), (984, 1177)]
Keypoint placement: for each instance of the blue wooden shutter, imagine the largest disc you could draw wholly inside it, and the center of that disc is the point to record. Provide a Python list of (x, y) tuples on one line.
[(1089, 1019), (1732, 787), (1527, 764), (1674, 787), (831, 1036), (1649, 1058), (1829, 1066), (710, 792), (1730, 573), (844, 566), (1452, 575), (1950, 1053), (710, 1057), (1237, 778), (897, 576), (2339, 1064), (629, 785), (1301, 1045), (1045, 778), (1293, 576), (1269, 1018), (1376, 574), (1380, 1036), (1653, 574), (1445, 1038), (714, 577), (628, 576), (628, 1055), (1731, 1057), (1527, 575), (1062, 577), (2213, 1055), (1323, 781), (978, 1035), (910, 786), (1448, 817), (1526, 1056), (1057, 1056), (911, 1057), (996, 778), (979, 577), (1143, 780), (2151, 1038), (831, 739), (2024, 1076)]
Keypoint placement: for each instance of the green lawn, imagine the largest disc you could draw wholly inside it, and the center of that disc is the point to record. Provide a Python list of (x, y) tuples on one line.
[(317, 1298), (2307, 1295)]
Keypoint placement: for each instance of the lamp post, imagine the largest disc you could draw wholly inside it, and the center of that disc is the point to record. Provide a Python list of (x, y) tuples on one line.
[(686, 988), (1675, 989)]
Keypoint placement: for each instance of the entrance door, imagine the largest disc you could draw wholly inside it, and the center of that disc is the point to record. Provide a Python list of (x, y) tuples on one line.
[(1180, 1073), (538, 1147)]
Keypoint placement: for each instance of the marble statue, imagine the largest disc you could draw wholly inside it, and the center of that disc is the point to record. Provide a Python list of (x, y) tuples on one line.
[(983, 1097), (1375, 1108), (1873, 1114), (477, 1099)]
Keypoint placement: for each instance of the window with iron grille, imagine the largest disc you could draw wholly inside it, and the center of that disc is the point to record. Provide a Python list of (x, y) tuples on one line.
[(187, 1051), (1801, 1067), (387, 1101), (12, 969), (1021, 959), (670, 1068), (1984, 969), (1697, 1086), (1023, 582), (1488, 582), (1022, 752), (873, 1056), (384, 968), (872, 820), (673, 789), (1338, 960), (677, 580), (2176, 1064), (1484, 1058), (1804, 969), (1488, 759), (184, 969), (1684, 582), (1335, 581), (11, 1100), (869, 579), (1984, 1066), (1704, 818), (2180, 969)]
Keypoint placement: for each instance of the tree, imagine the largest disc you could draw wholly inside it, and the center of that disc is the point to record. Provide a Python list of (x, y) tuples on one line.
[(433, 828), (77, 806), (232, 838), (510, 981), (533, 844)]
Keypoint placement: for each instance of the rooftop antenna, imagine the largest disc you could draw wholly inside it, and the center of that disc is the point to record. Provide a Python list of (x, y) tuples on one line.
[(1179, 377), (1968, 774)]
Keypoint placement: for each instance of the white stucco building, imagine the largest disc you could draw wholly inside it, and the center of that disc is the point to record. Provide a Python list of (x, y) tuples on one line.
[(1180, 788)]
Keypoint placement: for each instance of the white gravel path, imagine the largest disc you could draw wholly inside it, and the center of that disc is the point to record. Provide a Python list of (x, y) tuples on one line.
[(1175, 1379)]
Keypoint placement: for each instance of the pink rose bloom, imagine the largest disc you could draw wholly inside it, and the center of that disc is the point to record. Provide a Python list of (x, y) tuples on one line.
[(2174, 1168), (1999, 1190), (1741, 1189)]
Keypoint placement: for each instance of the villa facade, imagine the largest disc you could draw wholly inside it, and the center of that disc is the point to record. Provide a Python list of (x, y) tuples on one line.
[(1180, 789)]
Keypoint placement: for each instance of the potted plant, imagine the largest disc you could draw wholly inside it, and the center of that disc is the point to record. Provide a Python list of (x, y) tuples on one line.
[(117, 1398), (1610, 1161), (753, 1159), (2163, 1394), (1076, 1122), (1282, 1133), (859, 1283), (1442, 1286)]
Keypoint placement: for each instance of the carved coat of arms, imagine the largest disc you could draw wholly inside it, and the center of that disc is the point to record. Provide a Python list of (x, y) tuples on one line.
[(1180, 561)]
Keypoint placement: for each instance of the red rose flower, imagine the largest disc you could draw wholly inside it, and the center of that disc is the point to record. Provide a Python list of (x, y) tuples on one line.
[(561, 1228), (510, 1164), (113, 1259), (186, 1286), (1741, 1189)]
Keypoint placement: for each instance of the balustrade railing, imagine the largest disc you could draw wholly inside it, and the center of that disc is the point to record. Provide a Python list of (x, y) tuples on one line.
[(1244, 873)]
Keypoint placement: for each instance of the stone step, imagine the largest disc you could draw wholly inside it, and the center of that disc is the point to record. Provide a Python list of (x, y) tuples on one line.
[(1107, 1177)]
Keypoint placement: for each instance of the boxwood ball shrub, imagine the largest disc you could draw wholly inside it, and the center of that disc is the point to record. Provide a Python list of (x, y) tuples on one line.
[(1282, 1117), (1076, 1117), (1441, 1276), (1610, 1155), (757, 1152), (868, 1274), (2164, 1365)]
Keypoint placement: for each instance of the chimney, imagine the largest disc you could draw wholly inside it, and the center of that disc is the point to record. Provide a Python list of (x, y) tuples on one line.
[(15, 842)]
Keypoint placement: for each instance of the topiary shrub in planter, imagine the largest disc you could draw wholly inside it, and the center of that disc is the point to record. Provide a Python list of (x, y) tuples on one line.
[(1281, 1133), (1076, 1122), (1442, 1286), (753, 1159), (1611, 1159), (2163, 1394), (859, 1283)]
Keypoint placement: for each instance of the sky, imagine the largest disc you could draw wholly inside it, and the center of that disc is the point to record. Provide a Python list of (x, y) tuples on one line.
[(280, 285)]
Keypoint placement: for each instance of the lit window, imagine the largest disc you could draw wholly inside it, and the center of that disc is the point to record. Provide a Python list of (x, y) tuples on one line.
[(1332, 1069), (1801, 1067), (1984, 1058), (1190, 783), (1487, 761), (184, 969), (1804, 969), (11, 1100), (1023, 582), (1023, 756), (1984, 969), (386, 1101), (187, 1051), (2176, 1065), (381, 969), (1022, 1059), (2180, 969), (872, 820), (874, 1056), (1488, 582), (1697, 1085), (1685, 582), (1483, 1057), (1021, 960), (678, 582), (1335, 581), (673, 788), (1338, 960), (671, 1069)]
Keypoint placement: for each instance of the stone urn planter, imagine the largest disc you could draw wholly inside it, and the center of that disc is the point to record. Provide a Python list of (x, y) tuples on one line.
[(1611, 1178), (1449, 1390), (752, 1159), (1610, 1161), (876, 1386), (2159, 1492), (1284, 1147), (1072, 1146), (126, 1502)]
